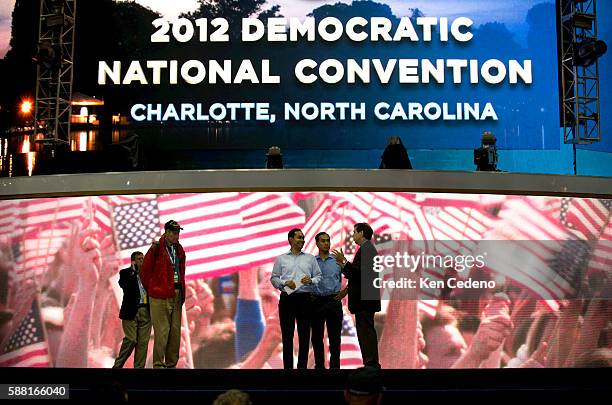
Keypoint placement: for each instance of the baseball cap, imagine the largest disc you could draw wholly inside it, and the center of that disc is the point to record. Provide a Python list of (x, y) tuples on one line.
[(365, 381), (172, 225)]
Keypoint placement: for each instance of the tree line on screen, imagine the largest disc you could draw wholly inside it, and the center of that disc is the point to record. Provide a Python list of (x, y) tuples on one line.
[(105, 29)]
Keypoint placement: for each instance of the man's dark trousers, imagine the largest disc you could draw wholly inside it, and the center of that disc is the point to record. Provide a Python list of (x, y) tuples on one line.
[(326, 311), (291, 308), (366, 335)]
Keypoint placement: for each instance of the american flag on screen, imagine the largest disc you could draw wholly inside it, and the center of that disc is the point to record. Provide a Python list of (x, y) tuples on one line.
[(211, 222), (412, 217), (9, 229), (529, 260), (25, 344), (552, 205), (350, 354), (102, 212), (336, 213), (318, 221), (585, 217), (9, 219), (38, 251), (601, 255), (223, 232), (402, 214), (570, 264), (266, 220), (47, 213), (136, 226), (385, 212), (456, 225), (455, 228), (46, 223), (326, 217)]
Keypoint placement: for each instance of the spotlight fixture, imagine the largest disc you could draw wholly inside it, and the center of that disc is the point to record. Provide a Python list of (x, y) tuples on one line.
[(48, 56), (589, 51), (274, 158), (485, 157)]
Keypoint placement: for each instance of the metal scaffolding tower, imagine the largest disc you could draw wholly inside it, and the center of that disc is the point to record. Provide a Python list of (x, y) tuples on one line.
[(54, 71), (579, 74)]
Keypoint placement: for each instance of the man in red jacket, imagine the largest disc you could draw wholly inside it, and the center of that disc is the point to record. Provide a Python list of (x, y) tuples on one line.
[(163, 276)]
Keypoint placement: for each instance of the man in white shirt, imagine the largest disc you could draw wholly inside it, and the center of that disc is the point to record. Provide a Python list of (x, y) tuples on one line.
[(294, 274)]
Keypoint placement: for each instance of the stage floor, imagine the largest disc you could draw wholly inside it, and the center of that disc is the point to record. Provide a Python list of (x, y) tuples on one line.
[(324, 386)]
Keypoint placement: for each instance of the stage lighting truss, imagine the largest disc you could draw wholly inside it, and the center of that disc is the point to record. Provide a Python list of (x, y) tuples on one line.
[(54, 73), (579, 71)]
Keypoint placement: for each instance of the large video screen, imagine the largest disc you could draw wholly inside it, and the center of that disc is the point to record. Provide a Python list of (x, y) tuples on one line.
[(362, 71), (466, 280), (311, 75)]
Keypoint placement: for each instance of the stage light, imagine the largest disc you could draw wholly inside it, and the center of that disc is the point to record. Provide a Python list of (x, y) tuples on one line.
[(274, 158), (583, 21), (26, 107), (48, 55), (485, 157), (56, 6), (56, 17), (55, 20), (589, 51), (395, 155)]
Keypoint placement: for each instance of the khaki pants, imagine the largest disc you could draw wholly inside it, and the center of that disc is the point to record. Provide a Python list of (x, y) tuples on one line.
[(137, 333), (166, 318)]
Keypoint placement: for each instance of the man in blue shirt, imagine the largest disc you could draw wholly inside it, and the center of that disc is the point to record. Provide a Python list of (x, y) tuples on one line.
[(295, 273), (327, 306)]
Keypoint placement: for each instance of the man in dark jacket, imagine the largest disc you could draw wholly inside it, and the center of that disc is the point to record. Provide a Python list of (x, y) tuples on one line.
[(134, 313), (363, 297), (163, 276)]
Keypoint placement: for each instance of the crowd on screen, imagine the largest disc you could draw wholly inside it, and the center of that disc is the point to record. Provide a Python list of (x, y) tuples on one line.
[(67, 316)]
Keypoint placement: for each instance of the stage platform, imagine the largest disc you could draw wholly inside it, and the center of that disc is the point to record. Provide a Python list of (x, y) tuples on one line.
[(316, 387), (322, 386)]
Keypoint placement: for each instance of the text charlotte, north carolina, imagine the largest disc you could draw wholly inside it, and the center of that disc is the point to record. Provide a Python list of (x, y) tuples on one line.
[(307, 72)]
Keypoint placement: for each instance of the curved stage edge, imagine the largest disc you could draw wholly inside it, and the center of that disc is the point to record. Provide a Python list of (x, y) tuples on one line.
[(304, 180)]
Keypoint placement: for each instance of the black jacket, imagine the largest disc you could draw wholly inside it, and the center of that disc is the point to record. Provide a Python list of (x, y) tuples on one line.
[(131, 294), (362, 295)]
